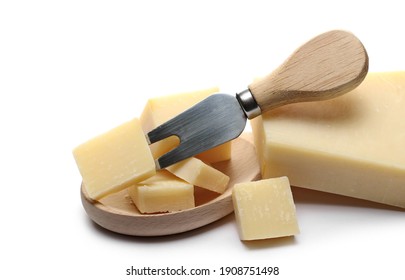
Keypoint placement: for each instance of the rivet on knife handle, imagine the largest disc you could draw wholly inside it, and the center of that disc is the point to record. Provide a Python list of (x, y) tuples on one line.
[(327, 66)]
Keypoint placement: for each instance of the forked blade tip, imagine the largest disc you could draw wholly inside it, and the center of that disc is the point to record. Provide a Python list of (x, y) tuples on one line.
[(147, 139), (157, 165)]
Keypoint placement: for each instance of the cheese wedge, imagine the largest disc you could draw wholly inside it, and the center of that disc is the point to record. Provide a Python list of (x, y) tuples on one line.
[(163, 192), (161, 109), (200, 174), (353, 145), (264, 209), (114, 160)]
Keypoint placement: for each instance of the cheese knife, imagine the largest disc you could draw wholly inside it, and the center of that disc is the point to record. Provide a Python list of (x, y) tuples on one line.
[(325, 67)]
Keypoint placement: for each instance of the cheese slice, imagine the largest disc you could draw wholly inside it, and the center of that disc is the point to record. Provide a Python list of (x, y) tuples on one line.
[(353, 145), (161, 109), (264, 209), (200, 174), (114, 160), (163, 192)]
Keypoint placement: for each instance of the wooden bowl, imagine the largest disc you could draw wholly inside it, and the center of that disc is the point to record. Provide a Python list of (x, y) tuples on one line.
[(117, 213)]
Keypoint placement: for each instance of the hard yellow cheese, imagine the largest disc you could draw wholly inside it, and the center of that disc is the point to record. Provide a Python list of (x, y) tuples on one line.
[(264, 209), (161, 109), (200, 174), (352, 145), (163, 192), (114, 160)]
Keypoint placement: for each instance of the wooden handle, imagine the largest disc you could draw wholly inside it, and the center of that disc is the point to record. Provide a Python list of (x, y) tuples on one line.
[(327, 66)]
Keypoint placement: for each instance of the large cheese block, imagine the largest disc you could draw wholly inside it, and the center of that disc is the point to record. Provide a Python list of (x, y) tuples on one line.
[(200, 174), (353, 145), (114, 160), (264, 209), (163, 192), (161, 109)]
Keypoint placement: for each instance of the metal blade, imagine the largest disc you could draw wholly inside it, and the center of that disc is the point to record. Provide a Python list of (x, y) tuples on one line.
[(214, 121)]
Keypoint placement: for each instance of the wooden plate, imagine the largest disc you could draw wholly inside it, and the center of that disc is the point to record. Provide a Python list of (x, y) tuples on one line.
[(117, 212)]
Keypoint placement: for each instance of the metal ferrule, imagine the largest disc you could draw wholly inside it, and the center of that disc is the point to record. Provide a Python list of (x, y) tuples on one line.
[(248, 104)]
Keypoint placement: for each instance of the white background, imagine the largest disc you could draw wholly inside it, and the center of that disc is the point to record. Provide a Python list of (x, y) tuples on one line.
[(72, 69)]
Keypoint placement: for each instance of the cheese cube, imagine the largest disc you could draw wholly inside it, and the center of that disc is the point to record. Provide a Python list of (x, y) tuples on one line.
[(163, 192), (200, 174), (264, 209), (114, 160), (161, 109), (352, 145)]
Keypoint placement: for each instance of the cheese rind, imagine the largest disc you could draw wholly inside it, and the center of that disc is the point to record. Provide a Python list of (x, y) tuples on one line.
[(163, 192), (114, 160), (161, 109), (351, 145), (264, 209), (200, 174)]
